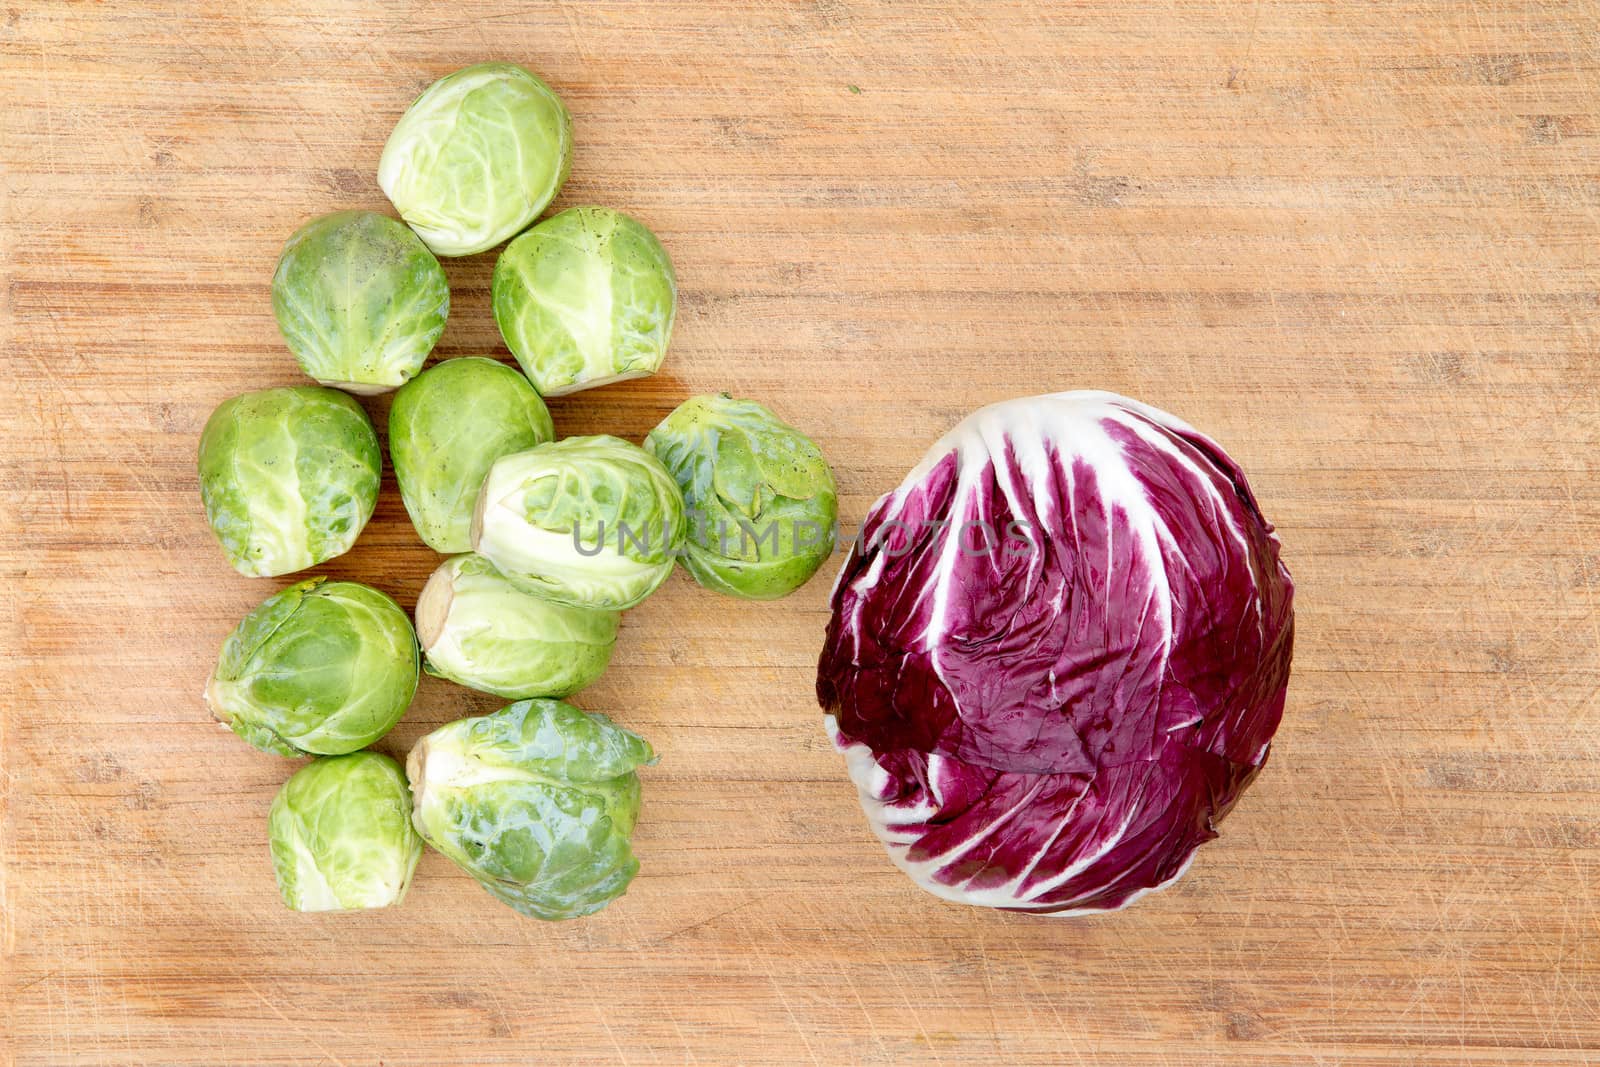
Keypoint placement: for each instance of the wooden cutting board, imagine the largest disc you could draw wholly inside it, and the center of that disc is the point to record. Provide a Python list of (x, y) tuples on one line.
[(1358, 243)]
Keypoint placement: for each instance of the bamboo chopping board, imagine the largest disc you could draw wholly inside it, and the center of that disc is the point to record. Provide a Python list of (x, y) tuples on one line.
[(1357, 243)]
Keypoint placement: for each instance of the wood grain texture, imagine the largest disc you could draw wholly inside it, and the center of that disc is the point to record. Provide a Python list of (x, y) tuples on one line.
[(1358, 243)]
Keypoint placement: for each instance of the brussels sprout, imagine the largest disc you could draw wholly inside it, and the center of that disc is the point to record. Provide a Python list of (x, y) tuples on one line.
[(536, 802), (759, 494), (341, 834), (360, 301), (483, 632), (589, 521), (585, 298), (446, 428), (322, 667), (288, 476), (477, 157)]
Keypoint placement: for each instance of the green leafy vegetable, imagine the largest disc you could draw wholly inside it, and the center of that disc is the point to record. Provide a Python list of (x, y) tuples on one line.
[(341, 834), (289, 477), (536, 801), (480, 630), (477, 157), (446, 428), (585, 298), (761, 499), (360, 301), (322, 668), (589, 521)]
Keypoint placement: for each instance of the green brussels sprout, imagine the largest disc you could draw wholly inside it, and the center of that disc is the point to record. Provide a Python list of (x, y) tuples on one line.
[(321, 668), (480, 630), (360, 301), (289, 477), (588, 521), (341, 834), (585, 298), (760, 497), (446, 427), (536, 801), (477, 157)]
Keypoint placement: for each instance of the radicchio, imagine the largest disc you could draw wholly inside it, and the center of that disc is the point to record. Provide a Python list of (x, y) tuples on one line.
[(1058, 654)]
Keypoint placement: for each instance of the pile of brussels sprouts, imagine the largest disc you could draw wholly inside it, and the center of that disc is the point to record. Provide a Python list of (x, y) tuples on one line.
[(548, 540)]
